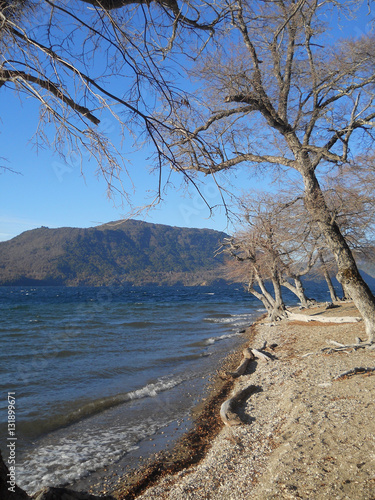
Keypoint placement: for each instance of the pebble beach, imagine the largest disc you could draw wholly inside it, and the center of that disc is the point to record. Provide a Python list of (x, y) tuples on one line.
[(306, 431)]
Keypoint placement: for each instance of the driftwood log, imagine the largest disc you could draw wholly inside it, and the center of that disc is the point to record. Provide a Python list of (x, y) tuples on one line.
[(249, 354), (323, 319), (241, 369), (227, 410), (338, 346), (355, 371)]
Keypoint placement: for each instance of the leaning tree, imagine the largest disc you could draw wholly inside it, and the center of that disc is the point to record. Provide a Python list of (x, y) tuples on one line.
[(285, 233), (284, 93), (254, 262)]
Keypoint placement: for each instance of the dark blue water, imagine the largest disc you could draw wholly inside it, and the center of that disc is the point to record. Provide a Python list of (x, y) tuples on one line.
[(96, 370)]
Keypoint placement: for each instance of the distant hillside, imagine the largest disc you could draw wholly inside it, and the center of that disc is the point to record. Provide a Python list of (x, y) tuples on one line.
[(132, 251)]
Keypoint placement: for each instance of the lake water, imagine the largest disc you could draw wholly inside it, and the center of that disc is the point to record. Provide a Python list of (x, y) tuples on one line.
[(97, 370)]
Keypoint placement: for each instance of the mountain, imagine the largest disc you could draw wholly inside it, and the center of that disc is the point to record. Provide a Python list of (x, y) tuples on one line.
[(132, 252)]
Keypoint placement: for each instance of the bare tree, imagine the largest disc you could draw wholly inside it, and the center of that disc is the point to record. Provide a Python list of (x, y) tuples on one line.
[(278, 94), (285, 230), (254, 264), (273, 245)]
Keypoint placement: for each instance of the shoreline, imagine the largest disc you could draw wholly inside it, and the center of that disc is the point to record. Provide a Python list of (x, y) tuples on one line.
[(174, 447), (296, 426)]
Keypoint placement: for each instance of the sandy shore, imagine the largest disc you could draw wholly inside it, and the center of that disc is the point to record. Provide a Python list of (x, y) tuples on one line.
[(305, 435)]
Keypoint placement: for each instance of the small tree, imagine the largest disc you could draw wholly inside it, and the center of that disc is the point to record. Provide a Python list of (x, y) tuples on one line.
[(285, 228), (254, 265)]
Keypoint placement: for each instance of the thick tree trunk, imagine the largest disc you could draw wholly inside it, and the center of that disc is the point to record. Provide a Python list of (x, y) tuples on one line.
[(301, 292), (278, 311), (265, 301), (327, 277), (263, 288), (345, 294), (348, 274)]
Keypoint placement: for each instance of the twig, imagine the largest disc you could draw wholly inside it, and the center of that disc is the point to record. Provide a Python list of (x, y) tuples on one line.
[(355, 371), (344, 347)]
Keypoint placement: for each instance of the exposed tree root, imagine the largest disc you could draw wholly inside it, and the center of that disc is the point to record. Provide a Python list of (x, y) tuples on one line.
[(248, 356), (227, 411)]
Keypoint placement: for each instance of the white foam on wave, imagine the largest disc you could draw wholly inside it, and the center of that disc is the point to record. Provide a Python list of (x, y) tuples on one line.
[(212, 340), (99, 405), (60, 461), (236, 320), (72, 458), (153, 389)]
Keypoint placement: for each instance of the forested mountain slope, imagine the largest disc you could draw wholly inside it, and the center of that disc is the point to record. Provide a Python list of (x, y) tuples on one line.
[(131, 251)]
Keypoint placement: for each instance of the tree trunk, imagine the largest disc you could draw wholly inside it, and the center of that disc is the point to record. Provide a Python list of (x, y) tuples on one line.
[(348, 274), (278, 311), (267, 305), (263, 288), (275, 309), (327, 277), (301, 292), (345, 294), (298, 290)]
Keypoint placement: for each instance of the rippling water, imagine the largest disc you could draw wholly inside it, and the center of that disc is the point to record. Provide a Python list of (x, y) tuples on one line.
[(97, 369)]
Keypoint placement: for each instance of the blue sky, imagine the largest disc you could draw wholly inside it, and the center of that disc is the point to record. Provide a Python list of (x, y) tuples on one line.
[(50, 193), (44, 190)]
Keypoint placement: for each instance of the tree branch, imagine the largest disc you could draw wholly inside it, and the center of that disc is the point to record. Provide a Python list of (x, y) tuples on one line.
[(14, 75)]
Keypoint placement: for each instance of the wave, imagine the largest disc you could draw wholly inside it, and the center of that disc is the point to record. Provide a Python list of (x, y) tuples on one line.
[(138, 324), (66, 353), (218, 315), (38, 427), (212, 340), (60, 463), (236, 320), (185, 357)]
